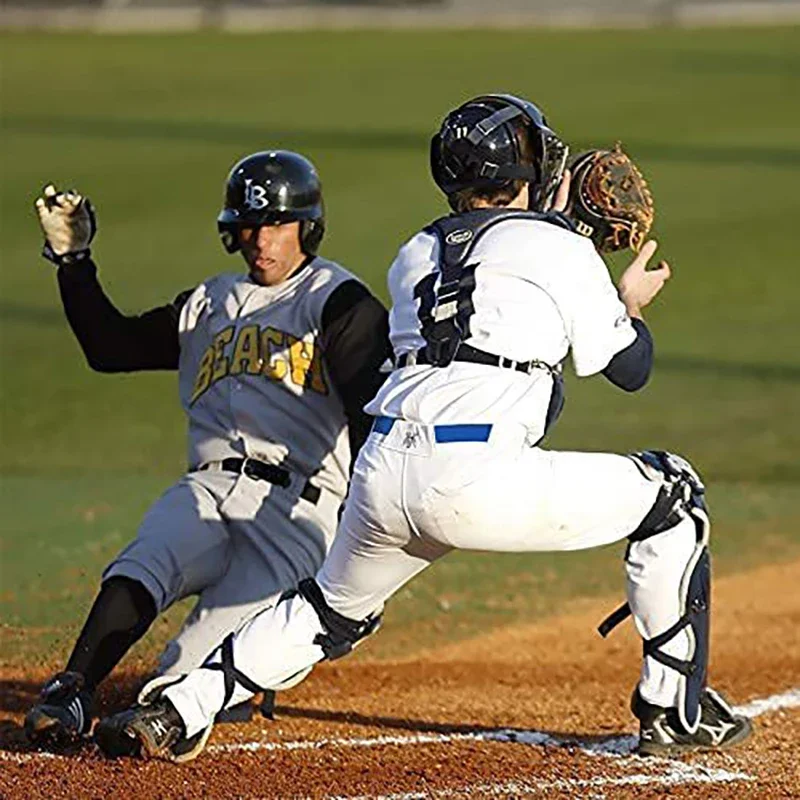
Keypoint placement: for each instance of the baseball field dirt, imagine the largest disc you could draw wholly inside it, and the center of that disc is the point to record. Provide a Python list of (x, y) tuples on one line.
[(531, 710)]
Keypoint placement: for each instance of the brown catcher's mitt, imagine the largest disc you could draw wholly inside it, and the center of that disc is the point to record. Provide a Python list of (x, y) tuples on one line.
[(609, 200)]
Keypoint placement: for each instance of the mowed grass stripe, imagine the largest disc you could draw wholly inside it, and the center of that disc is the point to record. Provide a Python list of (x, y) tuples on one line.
[(149, 125)]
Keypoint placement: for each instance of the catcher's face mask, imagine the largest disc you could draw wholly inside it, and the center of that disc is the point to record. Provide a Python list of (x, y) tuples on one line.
[(477, 147)]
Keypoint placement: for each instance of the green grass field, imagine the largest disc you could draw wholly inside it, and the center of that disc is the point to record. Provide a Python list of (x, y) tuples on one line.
[(148, 127)]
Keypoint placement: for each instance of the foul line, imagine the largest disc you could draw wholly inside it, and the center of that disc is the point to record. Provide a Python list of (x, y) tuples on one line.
[(617, 745), (676, 772)]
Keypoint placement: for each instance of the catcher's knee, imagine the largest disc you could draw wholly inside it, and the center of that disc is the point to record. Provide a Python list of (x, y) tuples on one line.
[(341, 634), (681, 496)]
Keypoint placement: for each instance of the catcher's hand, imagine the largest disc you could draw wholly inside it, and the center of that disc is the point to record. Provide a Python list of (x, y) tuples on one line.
[(68, 223), (609, 200)]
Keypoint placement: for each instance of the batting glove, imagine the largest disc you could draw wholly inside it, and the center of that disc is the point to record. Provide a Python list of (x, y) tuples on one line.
[(68, 224)]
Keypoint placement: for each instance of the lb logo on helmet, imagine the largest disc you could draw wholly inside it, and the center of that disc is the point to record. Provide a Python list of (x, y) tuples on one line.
[(255, 196)]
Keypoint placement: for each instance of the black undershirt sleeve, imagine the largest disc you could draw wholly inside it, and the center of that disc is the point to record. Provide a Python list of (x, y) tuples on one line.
[(355, 344), (630, 368), (111, 341)]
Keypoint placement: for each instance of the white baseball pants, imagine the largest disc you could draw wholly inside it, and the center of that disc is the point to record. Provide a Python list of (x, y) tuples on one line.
[(413, 499)]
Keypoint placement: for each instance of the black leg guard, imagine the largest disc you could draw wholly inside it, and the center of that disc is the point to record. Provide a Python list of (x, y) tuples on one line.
[(695, 619), (341, 635), (681, 495)]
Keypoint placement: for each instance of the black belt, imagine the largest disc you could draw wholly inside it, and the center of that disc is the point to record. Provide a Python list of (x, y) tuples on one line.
[(261, 471), (467, 352)]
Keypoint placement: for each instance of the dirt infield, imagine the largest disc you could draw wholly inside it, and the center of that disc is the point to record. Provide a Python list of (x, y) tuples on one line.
[(538, 710)]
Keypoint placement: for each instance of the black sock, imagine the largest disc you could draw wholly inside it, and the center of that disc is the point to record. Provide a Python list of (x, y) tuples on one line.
[(120, 616)]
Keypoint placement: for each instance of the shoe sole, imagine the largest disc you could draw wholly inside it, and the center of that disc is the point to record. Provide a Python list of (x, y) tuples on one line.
[(146, 752), (149, 694), (656, 749), (116, 743), (43, 729), (195, 750)]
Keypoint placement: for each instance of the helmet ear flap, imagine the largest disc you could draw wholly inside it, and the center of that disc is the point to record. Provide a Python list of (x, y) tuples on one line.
[(229, 235), (311, 233)]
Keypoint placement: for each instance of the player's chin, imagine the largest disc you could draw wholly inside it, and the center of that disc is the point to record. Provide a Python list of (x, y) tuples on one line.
[(263, 269), (257, 276), (260, 275)]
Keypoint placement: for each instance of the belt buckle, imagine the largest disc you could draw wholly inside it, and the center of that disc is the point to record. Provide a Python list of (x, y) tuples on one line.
[(507, 363)]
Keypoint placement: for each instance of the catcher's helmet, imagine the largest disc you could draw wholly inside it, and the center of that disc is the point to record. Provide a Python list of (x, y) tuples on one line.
[(273, 187), (478, 146)]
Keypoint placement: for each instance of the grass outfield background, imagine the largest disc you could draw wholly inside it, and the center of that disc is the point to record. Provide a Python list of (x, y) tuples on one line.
[(148, 127)]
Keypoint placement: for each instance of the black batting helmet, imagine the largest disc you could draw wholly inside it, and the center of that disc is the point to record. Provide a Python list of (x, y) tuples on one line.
[(273, 187), (478, 147)]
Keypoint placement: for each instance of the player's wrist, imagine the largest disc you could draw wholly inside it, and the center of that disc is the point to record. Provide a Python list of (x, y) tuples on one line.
[(632, 306), (66, 259)]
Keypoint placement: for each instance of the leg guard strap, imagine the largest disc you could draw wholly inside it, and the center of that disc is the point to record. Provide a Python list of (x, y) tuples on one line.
[(681, 490), (616, 617), (341, 633), (651, 648), (230, 674)]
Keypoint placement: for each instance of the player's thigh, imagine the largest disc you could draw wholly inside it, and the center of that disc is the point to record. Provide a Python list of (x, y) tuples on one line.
[(376, 549), (281, 541), (181, 545), (538, 500), (290, 534), (209, 622), (593, 499), (255, 576)]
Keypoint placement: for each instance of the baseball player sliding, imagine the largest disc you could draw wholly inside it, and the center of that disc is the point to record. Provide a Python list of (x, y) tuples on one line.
[(487, 303), (274, 368)]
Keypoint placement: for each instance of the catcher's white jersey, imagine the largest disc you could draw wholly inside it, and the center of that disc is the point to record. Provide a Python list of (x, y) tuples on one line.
[(540, 291)]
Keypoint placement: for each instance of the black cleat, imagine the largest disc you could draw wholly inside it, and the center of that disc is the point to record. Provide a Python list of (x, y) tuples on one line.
[(150, 729), (661, 733), (63, 714)]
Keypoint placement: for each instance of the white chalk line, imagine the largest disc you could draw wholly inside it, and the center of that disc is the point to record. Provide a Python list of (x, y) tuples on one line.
[(617, 745), (676, 771), (518, 788)]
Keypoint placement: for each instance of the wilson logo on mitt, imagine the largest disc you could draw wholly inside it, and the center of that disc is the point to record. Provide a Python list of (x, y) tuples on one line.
[(610, 202)]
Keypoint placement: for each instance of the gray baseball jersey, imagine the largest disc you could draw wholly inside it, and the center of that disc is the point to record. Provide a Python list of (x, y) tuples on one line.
[(253, 381), (274, 373)]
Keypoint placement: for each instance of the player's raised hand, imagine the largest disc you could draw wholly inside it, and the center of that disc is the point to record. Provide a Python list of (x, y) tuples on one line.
[(68, 224), (639, 285)]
